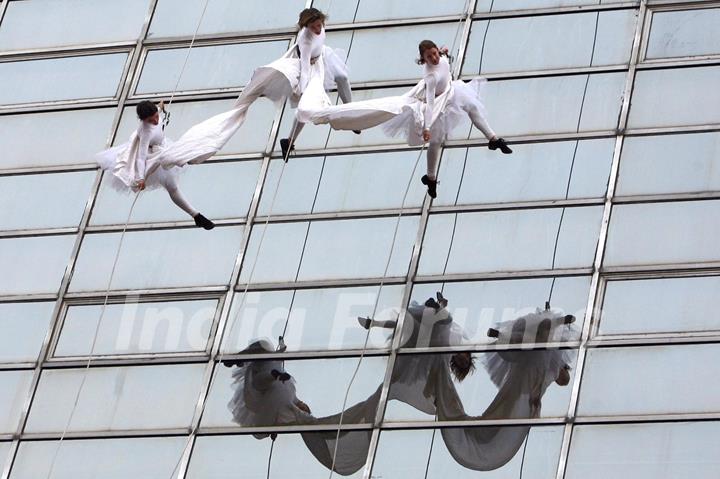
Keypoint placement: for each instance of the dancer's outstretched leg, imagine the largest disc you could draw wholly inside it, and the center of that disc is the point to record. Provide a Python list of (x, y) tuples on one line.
[(482, 124), (433, 158), (368, 323), (177, 197)]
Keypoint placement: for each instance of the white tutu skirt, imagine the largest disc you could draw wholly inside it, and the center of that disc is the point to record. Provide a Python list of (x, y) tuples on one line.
[(450, 110), (159, 177)]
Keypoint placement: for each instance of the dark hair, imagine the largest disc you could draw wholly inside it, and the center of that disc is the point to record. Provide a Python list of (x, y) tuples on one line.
[(310, 15), (145, 109), (461, 372), (423, 47)]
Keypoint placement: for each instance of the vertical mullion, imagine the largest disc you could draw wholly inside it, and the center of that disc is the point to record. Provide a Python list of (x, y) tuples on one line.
[(412, 272), (594, 300), (65, 282)]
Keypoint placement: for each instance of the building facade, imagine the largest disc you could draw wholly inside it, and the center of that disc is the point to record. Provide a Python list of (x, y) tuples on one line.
[(604, 210)]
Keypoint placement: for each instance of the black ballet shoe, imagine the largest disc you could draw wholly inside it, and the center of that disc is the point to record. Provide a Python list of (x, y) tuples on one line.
[(493, 333), (569, 319), (357, 132), (203, 222), (282, 377), (365, 322), (431, 185), (286, 148), (441, 299), (499, 143)]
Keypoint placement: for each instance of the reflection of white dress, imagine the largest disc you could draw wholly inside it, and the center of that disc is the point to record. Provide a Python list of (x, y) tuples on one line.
[(127, 162), (284, 78)]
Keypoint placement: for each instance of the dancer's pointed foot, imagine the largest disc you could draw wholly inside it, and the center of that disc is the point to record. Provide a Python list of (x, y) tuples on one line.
[(431, 185), (286, 147), (493, 333), (365, 322), (431, 303), (280, 376), (203, 222), (496, 143), (569, 319)]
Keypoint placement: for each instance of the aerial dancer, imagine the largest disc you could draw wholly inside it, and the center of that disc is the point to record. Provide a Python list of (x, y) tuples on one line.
[(128, 163), (315, 59), (425, 114)]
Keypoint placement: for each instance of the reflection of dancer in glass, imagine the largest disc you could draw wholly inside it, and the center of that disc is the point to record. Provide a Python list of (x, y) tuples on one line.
[(128, 163)]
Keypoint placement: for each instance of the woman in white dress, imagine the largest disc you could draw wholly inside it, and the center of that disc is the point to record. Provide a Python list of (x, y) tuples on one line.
[(128, 163), (425, 114)]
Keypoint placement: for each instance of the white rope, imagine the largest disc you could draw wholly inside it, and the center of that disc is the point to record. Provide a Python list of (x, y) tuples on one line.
[(377, 302), (166, 112), (94, 341)]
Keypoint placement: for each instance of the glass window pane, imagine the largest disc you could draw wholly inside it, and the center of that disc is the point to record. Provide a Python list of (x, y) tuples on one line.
[(476, 306), (373, 10), (252, 137), (4, 453), (551, 105), (485, 5), (223, 456), (57, 79), (21, 207), (116, 399), (157, 259), (322, 392), (14, 391), (537, 172), (356, 248), (217, 190), (317, 319), (486, 446), (367, 43), (650, 165), (550, 42), (684, 33), (330, 183), (208, 67), (645, 451), (180, 17), (510, 240), (664, 305), (23, 327), (133, 328), (37, 263), (152, 458), (421, 381), (662, 97), (634, 380), (663, 233), (83, 21), (58, 128)]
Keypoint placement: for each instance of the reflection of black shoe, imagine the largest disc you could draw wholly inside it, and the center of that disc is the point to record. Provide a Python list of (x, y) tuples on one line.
[(431, 185), (228, 363), (357, 132), (286, 148), (203, 222), (431, 303), (499, 143), (280, 376), (493, 333)]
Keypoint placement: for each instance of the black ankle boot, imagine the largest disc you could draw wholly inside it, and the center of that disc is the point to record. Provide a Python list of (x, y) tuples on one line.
[(203, 222), (357, 132), (431, 303), (493, 333), (499, 143), (431, 185), (286, 148)]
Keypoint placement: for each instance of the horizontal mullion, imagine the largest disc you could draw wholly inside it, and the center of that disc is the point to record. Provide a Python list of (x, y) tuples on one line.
[(533, 12), (328, 283), (504, 275), (169, 293), (25, 233), (521, 205)]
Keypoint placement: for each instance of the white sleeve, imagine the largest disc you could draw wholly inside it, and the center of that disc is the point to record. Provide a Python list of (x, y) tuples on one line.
[(430, 84), (142, 152), (305, 47)]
